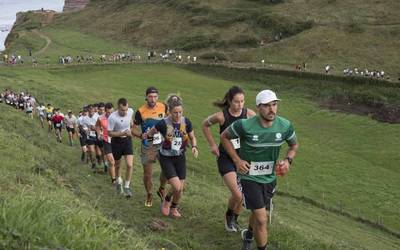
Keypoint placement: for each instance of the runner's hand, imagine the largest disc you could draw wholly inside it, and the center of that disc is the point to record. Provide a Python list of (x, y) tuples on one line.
[(242, 166), (195, 152), (282, 167), (215, 150), (128, 133)]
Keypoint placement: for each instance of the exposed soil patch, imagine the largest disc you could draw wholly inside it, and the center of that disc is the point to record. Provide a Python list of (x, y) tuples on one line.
[(381, 113)]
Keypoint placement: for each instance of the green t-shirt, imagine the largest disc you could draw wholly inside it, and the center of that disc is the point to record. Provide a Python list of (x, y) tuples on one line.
[(260, 146)]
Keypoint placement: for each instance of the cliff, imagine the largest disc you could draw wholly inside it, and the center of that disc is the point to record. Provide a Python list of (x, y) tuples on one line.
[(74, 5)]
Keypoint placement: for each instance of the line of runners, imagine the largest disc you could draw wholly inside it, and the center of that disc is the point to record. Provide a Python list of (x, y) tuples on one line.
[(247, 156)]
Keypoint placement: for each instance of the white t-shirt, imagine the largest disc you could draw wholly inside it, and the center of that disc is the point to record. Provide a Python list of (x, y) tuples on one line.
[(119, 123), (40, 110), (89, 121), (70, 122)]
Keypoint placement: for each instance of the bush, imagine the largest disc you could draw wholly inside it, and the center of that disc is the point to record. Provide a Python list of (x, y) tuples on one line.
[(283, 25), (195, 42), (213, 55), (244, 40)]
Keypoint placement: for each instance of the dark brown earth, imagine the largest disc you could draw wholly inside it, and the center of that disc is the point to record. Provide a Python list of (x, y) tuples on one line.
[(381, 113)]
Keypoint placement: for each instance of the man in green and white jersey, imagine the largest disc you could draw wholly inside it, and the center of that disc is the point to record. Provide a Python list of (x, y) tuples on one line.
[(257, 161)]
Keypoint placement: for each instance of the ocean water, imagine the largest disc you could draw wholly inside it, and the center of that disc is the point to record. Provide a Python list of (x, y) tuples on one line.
[(9, 9)]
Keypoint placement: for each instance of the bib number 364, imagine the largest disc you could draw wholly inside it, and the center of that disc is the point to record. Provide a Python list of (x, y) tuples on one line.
[(261, 168)]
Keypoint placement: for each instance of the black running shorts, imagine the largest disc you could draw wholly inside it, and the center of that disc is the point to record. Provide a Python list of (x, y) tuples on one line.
[(173, 166), (107, 148), (121, 146), (58, 125), (72, 130), (83, 140), (257, 195), (225, 164)]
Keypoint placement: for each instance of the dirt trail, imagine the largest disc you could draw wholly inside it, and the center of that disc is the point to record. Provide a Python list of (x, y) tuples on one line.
[(48, 42)]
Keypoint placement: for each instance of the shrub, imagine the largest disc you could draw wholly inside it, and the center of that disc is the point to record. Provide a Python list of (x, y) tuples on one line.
[(212, 55)]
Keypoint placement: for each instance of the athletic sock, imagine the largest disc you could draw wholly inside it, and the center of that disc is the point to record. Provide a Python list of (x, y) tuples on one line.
[(262, 248), (113, 180), (249, 233), (236, 216), (98, 159), (168, 197), (127, 183), (174, 205), (119, 180)]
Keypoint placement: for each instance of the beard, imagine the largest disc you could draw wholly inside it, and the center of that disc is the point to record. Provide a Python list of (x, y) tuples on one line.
[(269, 117)]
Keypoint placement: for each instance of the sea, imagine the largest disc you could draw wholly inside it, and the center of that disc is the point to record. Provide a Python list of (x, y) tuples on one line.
[(9, 9)]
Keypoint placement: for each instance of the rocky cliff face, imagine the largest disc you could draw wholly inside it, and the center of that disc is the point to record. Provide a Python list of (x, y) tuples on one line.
[(73, 5)]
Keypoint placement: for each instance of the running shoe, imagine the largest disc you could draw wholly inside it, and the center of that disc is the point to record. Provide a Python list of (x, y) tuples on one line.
[(230, 223), (165, 207), (119, 188), (246, 242), (175, 213), (128, 192), (149, 201), (238, 228)]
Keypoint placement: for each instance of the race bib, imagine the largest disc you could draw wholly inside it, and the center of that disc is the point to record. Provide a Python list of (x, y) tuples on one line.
[(156, 139), (261, 168), (92, 133), (236, 143), (176, 143), (58, 125), (48, 115), (21, 104)]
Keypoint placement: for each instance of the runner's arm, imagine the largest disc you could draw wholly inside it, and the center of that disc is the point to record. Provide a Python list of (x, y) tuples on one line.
[(98, 127), (136, 132), (193, 142), (242, 166), (207, 123)]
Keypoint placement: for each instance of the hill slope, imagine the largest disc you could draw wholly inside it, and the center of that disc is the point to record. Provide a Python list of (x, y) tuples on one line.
[(362, 34), (324, 170)]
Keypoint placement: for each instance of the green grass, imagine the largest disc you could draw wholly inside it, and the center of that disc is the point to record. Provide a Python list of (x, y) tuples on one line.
[(346, 162)]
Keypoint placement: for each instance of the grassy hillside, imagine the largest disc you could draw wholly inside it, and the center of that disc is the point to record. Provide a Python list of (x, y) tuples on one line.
[(346, 162), (359, 33)]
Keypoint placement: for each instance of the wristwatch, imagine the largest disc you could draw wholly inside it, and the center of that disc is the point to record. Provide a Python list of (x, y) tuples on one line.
[(289, 159)]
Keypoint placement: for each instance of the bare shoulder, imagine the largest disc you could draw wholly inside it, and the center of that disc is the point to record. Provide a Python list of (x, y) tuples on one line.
[(250, 113)]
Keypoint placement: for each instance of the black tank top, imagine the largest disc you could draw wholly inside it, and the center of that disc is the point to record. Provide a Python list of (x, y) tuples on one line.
[(229, 119)]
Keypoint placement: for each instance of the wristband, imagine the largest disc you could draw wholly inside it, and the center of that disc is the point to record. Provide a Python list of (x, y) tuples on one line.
[(290, 160)]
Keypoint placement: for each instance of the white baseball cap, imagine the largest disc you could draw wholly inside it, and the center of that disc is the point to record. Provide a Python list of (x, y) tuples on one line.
[(266, 96)]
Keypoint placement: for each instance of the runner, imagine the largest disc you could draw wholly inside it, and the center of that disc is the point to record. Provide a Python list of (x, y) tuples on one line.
[(88, 124), (232, 110), (102, 135), (41, 113), (49, 114), (83, 135), (257, 162), (99, 143), (119, 129), (177, 132), (29, 109), (147, 116), (57, 120), (71, 124)]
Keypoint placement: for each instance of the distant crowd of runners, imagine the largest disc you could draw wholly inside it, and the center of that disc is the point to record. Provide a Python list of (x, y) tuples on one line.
[(247, 155)]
